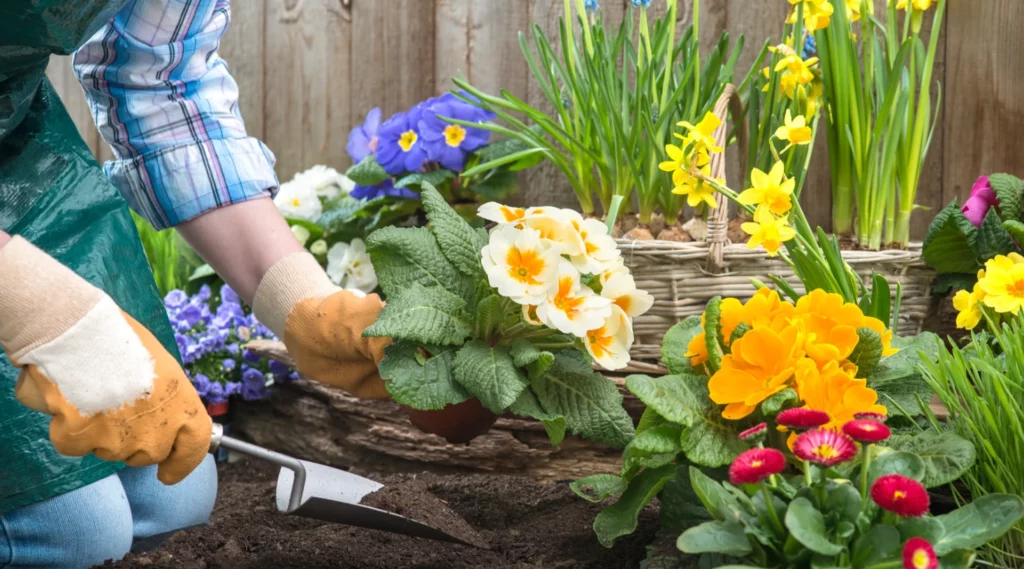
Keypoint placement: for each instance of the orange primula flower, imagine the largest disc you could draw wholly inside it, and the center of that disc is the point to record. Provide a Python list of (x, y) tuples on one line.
[(760, 365), (836, 392)]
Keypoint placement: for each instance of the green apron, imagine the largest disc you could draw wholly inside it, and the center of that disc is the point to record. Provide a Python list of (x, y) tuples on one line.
[(53, 193)]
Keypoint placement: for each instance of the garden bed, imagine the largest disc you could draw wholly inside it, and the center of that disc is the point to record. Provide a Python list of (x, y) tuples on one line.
[(529, 524)]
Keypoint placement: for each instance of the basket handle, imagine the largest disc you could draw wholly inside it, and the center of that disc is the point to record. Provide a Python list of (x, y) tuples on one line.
[(718, 219)]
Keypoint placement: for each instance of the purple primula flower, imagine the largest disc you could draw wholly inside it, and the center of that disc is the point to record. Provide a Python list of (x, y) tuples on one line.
[(401, 148), (362, 141), (204, 292), (192, 353), (216, 393), (983, 198), (385, 189), (233, 348), (202, 384), (175, 299), (449, 144), (229, 364), (190, 314), (232, 388), (181, 325), (250, 357), (278, 369), (229, 296), (253, 376)]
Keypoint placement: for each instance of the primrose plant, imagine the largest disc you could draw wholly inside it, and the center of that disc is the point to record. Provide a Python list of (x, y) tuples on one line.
[(513, 318)]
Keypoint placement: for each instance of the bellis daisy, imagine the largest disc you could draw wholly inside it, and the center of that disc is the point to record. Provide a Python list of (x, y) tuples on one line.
[(919, 554), (802, 418), (865, 431), (900, 495), (755, 433), (827, 448), (755, 465)]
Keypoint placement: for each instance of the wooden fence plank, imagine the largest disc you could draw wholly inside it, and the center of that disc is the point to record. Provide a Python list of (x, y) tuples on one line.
[(62, 76), (243, 48)]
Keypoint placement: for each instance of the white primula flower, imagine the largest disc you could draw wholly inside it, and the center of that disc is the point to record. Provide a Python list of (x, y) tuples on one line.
[(609, 345), (501, 214), (349, 266), (301, 234), (599, 250), (520, 264), (616, 267), (572, 308), (530, 315), (621, 289), (557, 225), (298, 201), (327, 182)]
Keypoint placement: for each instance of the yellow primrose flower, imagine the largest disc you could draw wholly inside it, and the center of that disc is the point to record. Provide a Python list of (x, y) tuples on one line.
[(968, 308), (836, 392), (768, 231), (702, 135), (920, 5), (795, 131), (770, 190), (1003, 284)]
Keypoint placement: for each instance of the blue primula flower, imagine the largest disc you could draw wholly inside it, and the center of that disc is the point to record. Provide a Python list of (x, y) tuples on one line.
[(385, 189), (228, 295), (215, 394), (401, 146), (449, 144), (175, 299), (204, 293), (202, 384), (363, 139)]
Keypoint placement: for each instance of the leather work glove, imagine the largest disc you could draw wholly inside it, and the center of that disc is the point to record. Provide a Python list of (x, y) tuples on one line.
[(322, 325), (111, 387)]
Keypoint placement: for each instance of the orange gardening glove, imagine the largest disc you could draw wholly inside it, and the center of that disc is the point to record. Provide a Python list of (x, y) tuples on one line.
[(322, 325), (111, 387)]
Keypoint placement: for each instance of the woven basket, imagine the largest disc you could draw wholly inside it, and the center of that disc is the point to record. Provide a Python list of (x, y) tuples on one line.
[(683, 277)]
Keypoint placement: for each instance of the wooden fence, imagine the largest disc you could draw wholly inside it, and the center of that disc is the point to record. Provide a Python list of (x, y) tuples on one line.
[(308, 70)]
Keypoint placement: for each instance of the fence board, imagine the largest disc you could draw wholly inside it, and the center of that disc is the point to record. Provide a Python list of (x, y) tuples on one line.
[(243, 48), (62, 77)]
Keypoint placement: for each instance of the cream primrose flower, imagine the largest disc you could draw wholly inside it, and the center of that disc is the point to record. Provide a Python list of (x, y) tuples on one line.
[(501, 214), (609, 345), (616, 267), (558, 225), (349, 266), (298, 201), (570, 307), (520, 264), (530, 315), (621, 290), (599, 252), (328, 182)]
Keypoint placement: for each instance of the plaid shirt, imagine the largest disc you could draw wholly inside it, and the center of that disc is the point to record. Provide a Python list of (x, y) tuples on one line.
[(167, 105)]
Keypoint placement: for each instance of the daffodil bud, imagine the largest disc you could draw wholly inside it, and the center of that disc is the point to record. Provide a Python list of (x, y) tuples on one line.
[(318, 248), (301, 234)]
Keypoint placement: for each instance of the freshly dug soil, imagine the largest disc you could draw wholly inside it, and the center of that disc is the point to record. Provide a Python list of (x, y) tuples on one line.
[(413, 500), (529, 525)]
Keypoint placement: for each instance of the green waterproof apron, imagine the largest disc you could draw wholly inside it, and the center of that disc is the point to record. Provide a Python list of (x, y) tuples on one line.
[(54, 194)]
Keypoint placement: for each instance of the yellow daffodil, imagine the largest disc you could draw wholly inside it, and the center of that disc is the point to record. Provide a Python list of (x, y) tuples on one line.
[(817, 14), (676, 159), (795, 131), (697, 191), (702, 135), (798, 67), (919, 5), (853, 10), (768, 231), (770, 190)]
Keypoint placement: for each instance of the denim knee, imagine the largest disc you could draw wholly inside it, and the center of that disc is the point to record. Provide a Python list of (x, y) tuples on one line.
[(82, 528), (158, 509)]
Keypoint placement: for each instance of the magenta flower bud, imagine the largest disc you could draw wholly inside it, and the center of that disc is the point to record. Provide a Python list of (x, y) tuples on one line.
[(983, 198)]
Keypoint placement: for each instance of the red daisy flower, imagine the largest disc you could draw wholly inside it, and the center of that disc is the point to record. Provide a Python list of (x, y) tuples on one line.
[(870, 417), (824, 447), (802, 418), (755, 433), (755, 465), (866, 431), (900, 495), (919, 554)]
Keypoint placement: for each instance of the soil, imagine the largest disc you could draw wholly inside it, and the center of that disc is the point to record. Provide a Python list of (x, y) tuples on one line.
[(413, 500), (529, 525)]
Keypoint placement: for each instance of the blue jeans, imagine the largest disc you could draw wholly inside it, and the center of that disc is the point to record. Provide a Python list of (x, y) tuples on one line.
[(101, 521)]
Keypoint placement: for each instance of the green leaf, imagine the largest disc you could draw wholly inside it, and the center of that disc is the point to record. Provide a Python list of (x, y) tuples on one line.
[(432, 179), (713, 333), (882, 542), (771, 406), (959, 559), (993, 238), (898, 377), (498, 186), (711, 442), (524, 354), (424, 315), (1016, 229), (673, 345), (489, 374), (659, 440), (403, 257), (897, 462), (720, 503), (925, 527), (590, 403), (738, 332), (715, 537), (807, 525), (503, 148), (680, 506), (648, 420), (202, 272), (678, 398), (951, 282), (951, 243), (1010, 191), (620, 518), (947, 456), (599, 487), (979, 522), (368, 172), (456, 238), (868, 351), (527, 405), (844, 502), (426, 385), (489, 316)]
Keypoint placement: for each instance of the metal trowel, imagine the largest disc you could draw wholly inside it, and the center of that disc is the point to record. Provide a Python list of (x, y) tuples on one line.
[(323, 493)]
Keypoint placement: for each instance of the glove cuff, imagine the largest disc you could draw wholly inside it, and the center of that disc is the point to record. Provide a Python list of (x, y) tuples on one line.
[(295, 277), (39, 298)]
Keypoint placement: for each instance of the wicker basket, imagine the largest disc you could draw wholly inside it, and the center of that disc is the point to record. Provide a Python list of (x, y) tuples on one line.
[(682, 277)]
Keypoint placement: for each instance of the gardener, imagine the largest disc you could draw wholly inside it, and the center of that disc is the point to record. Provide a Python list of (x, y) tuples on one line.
[(98, 384)]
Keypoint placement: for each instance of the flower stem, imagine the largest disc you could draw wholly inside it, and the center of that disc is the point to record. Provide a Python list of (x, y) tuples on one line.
[(779, 530), (865, 465)]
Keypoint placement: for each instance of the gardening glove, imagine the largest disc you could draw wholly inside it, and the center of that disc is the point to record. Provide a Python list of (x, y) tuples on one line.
[(111, 387), (322, 325)]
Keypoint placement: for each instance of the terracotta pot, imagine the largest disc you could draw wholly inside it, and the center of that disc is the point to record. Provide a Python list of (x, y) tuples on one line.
[(457, 424)]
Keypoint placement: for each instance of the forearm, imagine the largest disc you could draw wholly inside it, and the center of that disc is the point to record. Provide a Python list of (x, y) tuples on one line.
[(4, 238), (241, 242)]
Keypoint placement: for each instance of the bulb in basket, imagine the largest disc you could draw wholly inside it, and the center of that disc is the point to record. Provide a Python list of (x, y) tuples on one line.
[(506, 321)]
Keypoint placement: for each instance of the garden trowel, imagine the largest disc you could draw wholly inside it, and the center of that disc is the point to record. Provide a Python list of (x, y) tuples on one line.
[(320, 492)]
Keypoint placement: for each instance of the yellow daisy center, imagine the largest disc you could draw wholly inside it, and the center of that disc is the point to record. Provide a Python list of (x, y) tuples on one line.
[(826, 451), (454, 135), (921, 559), (899, 495), (756, 464), (295, 202), (407, 140)]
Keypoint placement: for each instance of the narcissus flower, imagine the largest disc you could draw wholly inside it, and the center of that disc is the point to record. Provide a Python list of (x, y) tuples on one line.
[(919, 554), (696, 190), (817, 14), (798, 67), (802, 418), (768, 231), (864, 431), (755, 465), (755, 433), (919, 5), (572, 308), (824, 447), (520, 264), (900, 495), (795, 131), (621, 290), (609, 345), (770, 190), (702, 135)]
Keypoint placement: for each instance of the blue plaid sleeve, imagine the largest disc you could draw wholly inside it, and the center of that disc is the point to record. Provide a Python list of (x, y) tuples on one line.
[(165, 102)]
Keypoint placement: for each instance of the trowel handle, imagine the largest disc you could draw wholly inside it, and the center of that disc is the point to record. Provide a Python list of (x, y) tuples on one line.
[(218, 439)]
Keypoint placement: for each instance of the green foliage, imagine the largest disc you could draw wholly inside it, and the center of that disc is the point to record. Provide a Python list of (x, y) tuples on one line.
[(713, 334), (951, 244), (170, 257), (868, 351), (620, 518), (946, 456), (404, 257), (489, 374), (423, 315), (897, 378), (993, 238), (461, 245), (420, 381), (527, 405), (1010, 191), (673, 345), (368, 172)]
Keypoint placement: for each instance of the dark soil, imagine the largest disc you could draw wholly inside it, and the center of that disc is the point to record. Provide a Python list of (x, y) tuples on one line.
[(413, 500), (529, 525)]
